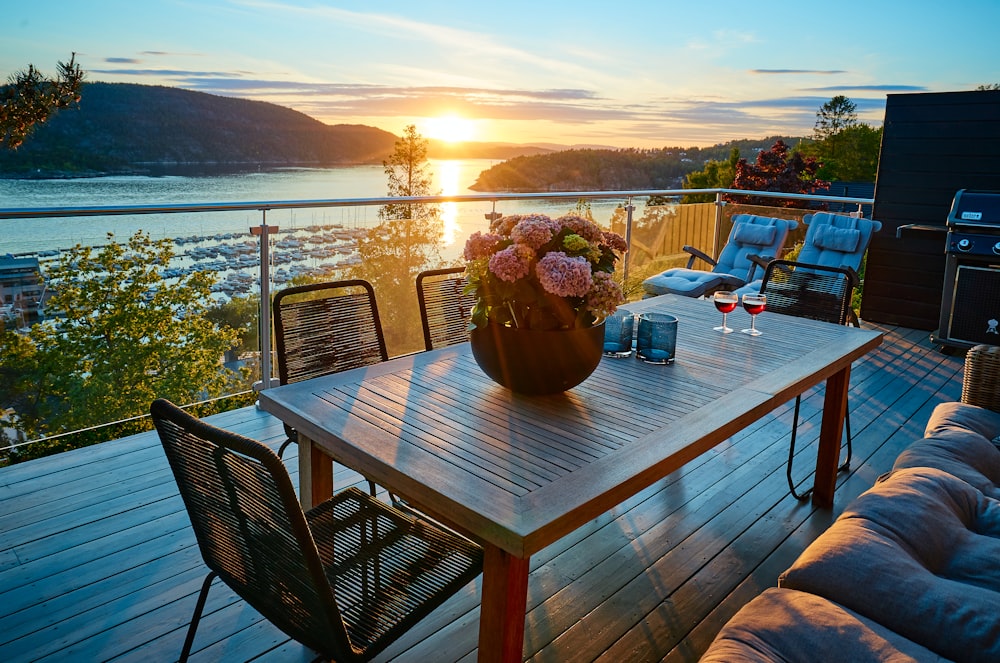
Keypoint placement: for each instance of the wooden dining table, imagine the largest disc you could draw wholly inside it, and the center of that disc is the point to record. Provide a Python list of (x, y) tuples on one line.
[(517, 473)]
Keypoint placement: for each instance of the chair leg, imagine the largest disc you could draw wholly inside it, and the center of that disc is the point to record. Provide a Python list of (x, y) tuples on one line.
[(846, 466), (284, 445), (196, 617), (791, 454)]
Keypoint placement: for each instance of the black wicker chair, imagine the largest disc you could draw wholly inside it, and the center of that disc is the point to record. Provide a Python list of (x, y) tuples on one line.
[(325, 328), (445, 308), (981, 381), (820, 293), (345, 579)]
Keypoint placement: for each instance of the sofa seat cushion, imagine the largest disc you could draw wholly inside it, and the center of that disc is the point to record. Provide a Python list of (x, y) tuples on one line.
[(792, 626), (959, 440), (919, 553)]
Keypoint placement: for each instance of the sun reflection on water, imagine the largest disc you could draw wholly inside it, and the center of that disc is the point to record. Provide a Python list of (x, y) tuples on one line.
[(448, 175)]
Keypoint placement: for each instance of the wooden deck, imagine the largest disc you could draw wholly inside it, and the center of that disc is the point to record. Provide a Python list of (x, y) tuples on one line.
[(98, 561)]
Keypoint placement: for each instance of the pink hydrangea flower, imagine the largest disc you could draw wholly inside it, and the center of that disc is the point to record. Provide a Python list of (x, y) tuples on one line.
[(535, 231), (505, 224), (480, 245), (605, 296), (564, 276), (512, 263), (585, 228), (615, 242)]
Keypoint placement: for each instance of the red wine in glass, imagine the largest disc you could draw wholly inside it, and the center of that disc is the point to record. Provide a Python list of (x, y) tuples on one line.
[(754, 304), (726, 303)]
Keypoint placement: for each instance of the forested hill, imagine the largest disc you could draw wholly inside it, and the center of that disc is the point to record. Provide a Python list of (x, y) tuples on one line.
[(126, 128), (612, 170)]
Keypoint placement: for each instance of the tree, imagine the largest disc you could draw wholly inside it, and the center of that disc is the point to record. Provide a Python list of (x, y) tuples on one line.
[(849, 156), (30, 99), (121, 339), (404, 243), (832, 120), (834, 116), (777, 169), (715, 175)]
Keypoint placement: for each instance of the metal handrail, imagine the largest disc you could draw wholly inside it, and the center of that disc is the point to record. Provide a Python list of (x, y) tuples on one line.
[(263, 206)]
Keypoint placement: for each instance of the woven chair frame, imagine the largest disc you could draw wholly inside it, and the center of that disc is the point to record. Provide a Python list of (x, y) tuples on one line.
[(981, 380), (820, 293), (445, 307), (325, 328), (345, 579)]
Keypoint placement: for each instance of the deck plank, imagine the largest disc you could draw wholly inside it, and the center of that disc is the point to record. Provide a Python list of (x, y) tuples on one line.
[(98, 561)]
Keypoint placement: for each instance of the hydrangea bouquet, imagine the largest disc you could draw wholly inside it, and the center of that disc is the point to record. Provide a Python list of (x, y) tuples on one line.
[(534, 272)]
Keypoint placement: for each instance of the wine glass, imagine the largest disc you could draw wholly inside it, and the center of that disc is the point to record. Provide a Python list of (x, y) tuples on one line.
[(754, 303), (726, 303)]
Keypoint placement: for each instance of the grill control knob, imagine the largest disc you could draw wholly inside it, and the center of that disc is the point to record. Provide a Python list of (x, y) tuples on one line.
[(965, 245), (996, 248)]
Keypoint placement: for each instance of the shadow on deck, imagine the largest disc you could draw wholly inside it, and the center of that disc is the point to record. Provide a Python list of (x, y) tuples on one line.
[(98, 561)]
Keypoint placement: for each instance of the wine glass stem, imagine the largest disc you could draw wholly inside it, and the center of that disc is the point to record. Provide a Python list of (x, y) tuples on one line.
[(724, 320), (753, 322)]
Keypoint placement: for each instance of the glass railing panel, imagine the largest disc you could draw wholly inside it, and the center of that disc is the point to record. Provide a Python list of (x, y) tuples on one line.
[(309, 240)]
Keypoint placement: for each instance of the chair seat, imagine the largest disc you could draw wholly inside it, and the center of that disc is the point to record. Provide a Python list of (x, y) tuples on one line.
[(682, 281), (387, 570)]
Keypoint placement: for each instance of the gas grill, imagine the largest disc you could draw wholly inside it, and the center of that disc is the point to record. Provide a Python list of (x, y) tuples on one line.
[(970, 299)]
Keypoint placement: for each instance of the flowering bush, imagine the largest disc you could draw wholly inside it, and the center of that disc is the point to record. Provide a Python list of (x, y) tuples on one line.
[(534, 272)]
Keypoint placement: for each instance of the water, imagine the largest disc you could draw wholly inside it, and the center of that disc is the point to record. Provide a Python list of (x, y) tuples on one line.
[(451, 177)]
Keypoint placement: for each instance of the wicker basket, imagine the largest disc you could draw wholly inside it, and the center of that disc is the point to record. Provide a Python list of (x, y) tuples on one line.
[(981, 384)]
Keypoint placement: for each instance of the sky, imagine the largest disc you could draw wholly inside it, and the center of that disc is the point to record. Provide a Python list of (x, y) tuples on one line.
[(626, 73)]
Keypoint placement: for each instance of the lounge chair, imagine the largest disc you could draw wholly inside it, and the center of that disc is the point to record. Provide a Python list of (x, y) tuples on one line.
[(758, 236), (832, 240)]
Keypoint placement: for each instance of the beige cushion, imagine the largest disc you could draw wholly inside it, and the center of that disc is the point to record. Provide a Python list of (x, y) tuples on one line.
[(792, 626), (919, 553)]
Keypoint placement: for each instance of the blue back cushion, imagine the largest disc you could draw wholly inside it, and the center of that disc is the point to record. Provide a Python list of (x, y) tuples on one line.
[(833, 240), (752, 235)]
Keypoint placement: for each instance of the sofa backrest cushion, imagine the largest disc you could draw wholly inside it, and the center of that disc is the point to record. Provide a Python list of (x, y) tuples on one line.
[(959, 440)]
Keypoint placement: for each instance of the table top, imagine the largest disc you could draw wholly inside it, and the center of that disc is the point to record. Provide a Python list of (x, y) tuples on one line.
[(520, 472)]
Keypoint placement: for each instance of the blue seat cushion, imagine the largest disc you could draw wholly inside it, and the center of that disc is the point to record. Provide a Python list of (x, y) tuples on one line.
[(682, 281)]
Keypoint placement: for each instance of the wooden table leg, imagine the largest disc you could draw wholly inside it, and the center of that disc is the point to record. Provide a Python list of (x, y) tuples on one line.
[(830, 434), (505, 598), (315, 474)]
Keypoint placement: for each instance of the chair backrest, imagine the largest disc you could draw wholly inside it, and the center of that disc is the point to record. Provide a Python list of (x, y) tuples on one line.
[(833, 240), (445, 307), (752, 235), (250, 527), (808, 291), (325, 328)]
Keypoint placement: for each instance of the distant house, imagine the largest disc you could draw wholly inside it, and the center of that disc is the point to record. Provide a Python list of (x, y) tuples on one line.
[(21, 289), (850, 190)]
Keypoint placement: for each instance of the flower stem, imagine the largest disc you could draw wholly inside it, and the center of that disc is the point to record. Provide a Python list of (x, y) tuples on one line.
[(513, 315)]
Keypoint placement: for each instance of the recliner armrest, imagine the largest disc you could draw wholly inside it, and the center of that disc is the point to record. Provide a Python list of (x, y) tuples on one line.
[(695, 253)]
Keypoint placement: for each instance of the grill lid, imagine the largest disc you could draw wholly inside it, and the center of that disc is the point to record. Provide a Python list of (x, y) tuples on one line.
[(975, 209)]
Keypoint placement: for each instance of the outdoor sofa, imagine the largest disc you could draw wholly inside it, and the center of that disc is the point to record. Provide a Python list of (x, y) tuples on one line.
[(909, 572)]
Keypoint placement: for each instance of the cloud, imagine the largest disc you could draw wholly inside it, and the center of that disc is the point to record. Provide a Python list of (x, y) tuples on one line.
[(122, 60), (820, 72), (870, 88)]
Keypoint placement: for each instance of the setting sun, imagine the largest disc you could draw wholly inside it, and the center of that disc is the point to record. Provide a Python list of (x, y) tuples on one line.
[(449, 128)]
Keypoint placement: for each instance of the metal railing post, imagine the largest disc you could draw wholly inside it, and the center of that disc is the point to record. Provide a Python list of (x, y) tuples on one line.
[(264, 330), (716, 236), (629, 208)]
